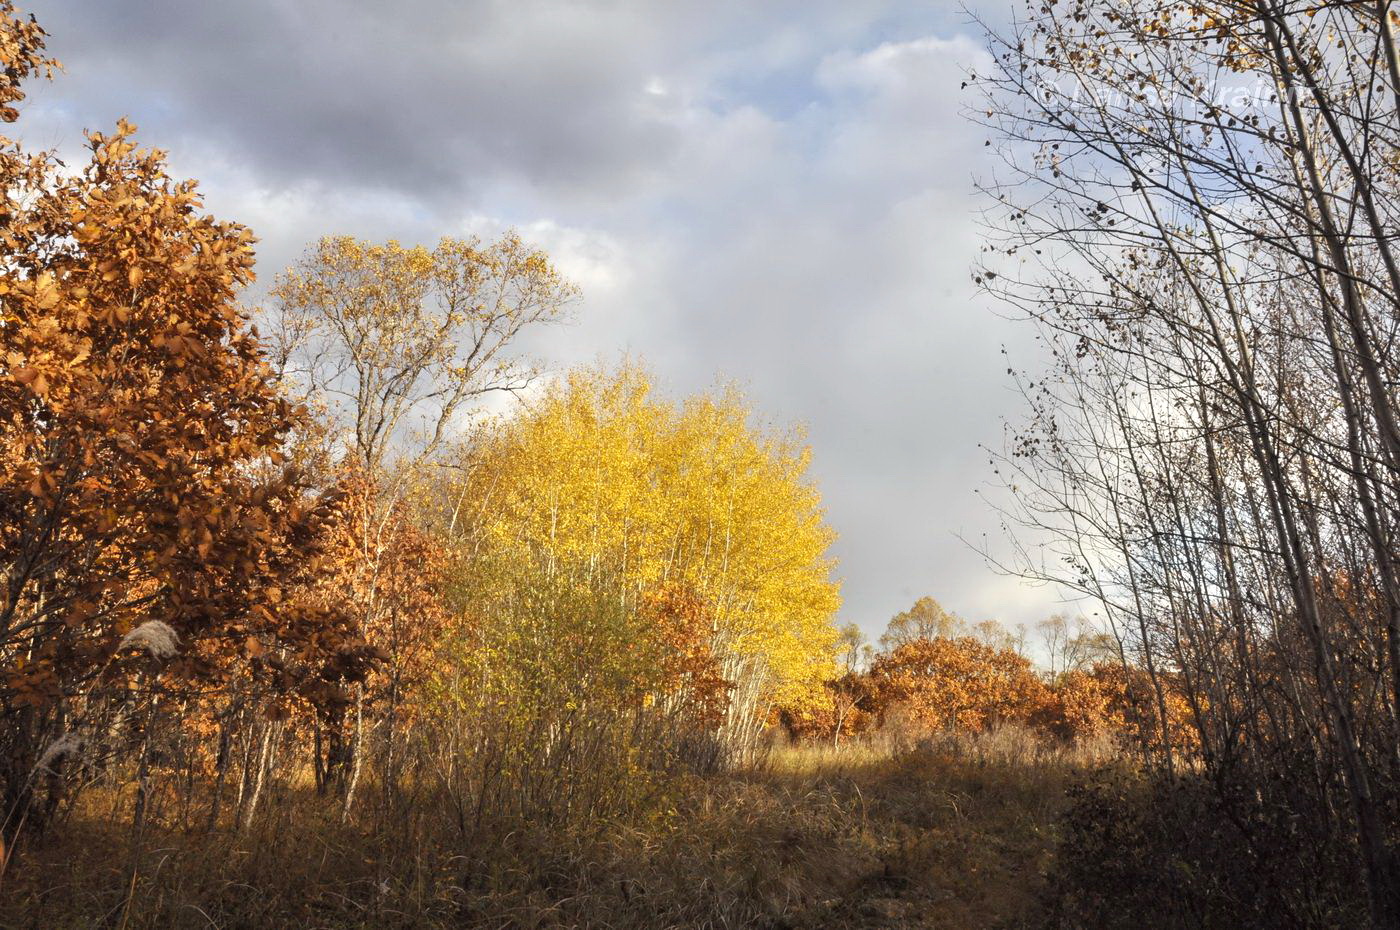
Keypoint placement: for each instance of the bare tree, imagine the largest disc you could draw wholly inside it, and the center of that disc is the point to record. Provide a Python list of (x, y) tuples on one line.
[(1198, 212)]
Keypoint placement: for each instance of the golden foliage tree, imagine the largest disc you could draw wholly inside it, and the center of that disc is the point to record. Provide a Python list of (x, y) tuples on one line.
[(601, 482), (925, 619), (395, 341)]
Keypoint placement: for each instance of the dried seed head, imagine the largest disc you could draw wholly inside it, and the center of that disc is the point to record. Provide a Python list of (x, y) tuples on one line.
[(154, 636), (61, 748)]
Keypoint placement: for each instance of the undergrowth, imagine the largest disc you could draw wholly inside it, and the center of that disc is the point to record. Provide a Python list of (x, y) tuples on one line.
[(954, 833)]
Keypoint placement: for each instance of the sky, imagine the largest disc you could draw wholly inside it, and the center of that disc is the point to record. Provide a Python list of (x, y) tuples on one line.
[(779, 194)]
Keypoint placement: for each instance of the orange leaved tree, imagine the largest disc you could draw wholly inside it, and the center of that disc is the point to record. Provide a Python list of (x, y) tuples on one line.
[(1119, 701), (957, 683), (147, 530)]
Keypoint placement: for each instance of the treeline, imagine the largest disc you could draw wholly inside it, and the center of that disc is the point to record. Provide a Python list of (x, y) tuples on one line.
[(933, 673), (1197, 210)]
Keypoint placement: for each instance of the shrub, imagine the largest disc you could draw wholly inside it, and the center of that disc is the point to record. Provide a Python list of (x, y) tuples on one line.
[(1113, 701), (1184, 852), (962, 684)]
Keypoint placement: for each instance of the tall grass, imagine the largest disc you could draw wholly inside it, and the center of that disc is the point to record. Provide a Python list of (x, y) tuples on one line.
[(954, 832)]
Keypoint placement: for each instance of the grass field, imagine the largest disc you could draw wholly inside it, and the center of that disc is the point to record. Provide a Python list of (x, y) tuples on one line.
[(952, 834)]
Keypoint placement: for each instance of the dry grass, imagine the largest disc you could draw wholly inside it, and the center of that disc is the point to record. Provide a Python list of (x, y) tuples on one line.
[(955, 833)]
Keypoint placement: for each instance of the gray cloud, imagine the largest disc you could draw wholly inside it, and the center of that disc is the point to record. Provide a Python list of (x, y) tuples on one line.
[(777, 193), (419, 97)]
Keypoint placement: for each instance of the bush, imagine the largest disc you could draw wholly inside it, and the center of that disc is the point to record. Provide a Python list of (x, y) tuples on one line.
[(959, 684), (1111, 700), (1185, 852)]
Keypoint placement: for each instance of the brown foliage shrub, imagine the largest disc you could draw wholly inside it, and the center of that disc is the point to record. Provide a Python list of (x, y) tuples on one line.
[(1081, 706), (937, 684), (387, 576), (1110, 700), (691, 681)]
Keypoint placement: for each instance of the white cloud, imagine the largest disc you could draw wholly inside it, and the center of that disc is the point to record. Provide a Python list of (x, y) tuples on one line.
[(779, 193)]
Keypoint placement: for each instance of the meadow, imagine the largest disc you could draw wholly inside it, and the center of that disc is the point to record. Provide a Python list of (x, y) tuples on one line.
[(954, 833)]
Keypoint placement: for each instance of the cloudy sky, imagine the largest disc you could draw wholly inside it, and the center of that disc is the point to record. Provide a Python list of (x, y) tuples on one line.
[(779, 193)]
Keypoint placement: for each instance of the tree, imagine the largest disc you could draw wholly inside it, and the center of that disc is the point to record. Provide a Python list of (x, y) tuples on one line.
[(958, 683), (853, 652), (393, 344), (396, 341), (1108, 699), (1198, 212), (399, 570), (991, 633), (850, 686), (600, 482), (147, 525), (1069, 645), (926, 619)]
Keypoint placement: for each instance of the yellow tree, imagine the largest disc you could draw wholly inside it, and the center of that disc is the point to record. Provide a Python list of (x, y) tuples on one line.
[(925, 619), (601, 482)]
